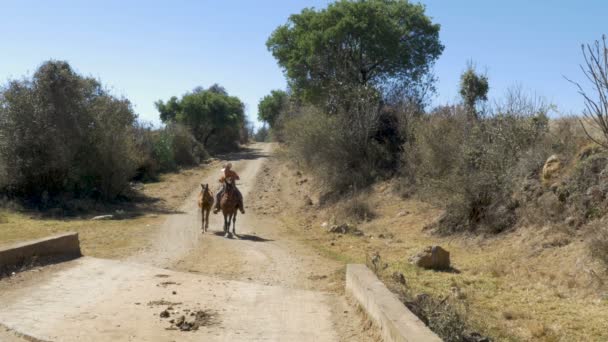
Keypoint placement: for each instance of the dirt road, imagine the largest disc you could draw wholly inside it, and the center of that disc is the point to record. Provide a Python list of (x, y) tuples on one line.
[(262, 286)]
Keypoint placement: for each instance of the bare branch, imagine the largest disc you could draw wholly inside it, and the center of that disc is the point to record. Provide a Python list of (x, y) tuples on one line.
[(595, 69)]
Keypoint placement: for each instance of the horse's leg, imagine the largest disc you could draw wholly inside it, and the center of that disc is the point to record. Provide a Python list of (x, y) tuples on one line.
[(203, 219), (234, 222), (207, 211), (226, 225)]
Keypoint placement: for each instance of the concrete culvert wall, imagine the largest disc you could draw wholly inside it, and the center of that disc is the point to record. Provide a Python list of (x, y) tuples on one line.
[(62, 246), (396, 322)]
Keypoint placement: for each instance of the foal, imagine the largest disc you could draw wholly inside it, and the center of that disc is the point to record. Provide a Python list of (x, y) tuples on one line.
[(205, 202)]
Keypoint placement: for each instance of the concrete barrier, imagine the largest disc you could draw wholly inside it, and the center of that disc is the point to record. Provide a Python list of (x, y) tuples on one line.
[(64, 245), (393, 318)]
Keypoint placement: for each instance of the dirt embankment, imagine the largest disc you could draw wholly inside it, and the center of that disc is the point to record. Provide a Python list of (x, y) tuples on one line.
[(529, 285)]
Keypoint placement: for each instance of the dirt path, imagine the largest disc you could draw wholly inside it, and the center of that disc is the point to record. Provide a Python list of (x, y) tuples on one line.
[(264, 285)]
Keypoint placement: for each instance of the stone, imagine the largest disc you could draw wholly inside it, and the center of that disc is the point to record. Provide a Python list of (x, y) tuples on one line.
[(103, 217), (432, 257), (345, 229), (570, 221), (399, 278), (551, 168), (308, 200)]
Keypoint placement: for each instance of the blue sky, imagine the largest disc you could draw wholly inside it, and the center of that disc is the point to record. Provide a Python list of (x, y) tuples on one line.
[(150, 50)]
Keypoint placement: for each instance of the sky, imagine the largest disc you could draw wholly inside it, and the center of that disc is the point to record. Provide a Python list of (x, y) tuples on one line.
[(151, 50)]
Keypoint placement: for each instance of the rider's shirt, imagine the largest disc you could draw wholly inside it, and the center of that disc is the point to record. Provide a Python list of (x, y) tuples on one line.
[(229, 173)]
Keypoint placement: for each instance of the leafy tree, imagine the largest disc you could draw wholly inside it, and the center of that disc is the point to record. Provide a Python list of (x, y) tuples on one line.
[(373, 42), (214, 117), (168, 110), (473, 89), (271, 106), (62, 133)]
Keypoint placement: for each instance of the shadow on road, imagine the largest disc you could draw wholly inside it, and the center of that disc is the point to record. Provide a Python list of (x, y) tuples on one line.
[(245, 153), (247, 237)]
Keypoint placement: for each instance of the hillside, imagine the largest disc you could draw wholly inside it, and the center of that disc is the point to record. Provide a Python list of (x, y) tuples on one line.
[(536, 283)]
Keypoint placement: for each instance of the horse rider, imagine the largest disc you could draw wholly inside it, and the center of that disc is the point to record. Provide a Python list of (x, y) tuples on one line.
[(228, 173)]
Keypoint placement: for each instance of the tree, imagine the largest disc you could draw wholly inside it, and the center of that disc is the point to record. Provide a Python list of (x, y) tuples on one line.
[(271, 106), (61, 133), (373, 42), (473, 88), (209, 113), (168, 110), (595, 70)]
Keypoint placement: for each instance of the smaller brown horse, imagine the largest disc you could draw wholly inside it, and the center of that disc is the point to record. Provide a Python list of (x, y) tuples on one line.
[(230, 203), (205, 202)]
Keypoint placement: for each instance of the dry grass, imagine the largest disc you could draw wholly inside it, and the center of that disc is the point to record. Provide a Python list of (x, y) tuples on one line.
[(107, 239), (112, 238), (515, 286)]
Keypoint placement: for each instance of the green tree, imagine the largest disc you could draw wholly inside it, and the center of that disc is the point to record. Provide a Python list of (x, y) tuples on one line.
[(168, 110), (214, 117), (62, 133), (270, 106), (350, 43), (473, 89)]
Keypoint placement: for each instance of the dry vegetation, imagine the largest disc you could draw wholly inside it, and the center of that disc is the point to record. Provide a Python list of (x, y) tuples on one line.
[(109, 238), (538, 283)]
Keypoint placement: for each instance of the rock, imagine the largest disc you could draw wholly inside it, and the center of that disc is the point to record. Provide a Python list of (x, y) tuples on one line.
[(164, 314), (345, 229), (551, 168), (402, 213), (137, 186), (103, 217), (324, 224), (570, 221), (399, 277), (180, 320), (432, 257), (308, 201)]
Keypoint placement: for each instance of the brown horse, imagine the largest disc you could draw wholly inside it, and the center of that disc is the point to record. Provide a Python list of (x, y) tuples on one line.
[(205, 202), (230, 203)]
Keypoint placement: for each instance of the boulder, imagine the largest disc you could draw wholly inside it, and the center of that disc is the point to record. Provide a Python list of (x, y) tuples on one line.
[(344, 229), (432, 257), (551, 168)]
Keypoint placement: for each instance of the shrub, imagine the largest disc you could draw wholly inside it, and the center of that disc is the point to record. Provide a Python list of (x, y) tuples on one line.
[(356, 208), (186, 150), (598, 244), (472, 167), (63, 133), (165, 149), (338, 150)]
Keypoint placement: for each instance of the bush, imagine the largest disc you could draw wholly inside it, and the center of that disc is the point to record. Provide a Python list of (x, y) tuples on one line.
[(63, 133), (341, 159), (346, 150), (599, 244), (473, 166), (166, 149), (356, 208)]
